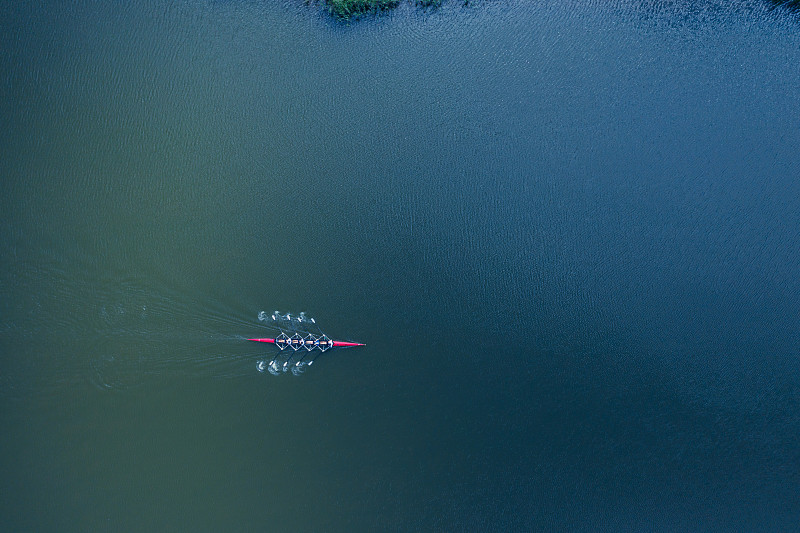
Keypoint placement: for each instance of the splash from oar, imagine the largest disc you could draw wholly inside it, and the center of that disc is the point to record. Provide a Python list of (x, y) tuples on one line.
[(296, 335)]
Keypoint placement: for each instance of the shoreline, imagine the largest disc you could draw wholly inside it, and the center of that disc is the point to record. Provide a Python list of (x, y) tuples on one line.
[(346, 10), (352, 9)]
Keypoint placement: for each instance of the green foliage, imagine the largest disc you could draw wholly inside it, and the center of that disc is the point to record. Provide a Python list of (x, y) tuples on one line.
[(347, 9), (350, 9)]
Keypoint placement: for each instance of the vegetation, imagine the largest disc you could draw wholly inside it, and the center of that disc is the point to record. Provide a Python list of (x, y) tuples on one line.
[(347, 9), (350, 9)]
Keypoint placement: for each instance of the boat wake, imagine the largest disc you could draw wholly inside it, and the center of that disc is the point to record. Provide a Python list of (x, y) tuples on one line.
[(115, 333)]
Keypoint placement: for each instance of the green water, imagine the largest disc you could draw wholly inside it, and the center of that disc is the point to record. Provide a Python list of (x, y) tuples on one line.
[(566, 233)]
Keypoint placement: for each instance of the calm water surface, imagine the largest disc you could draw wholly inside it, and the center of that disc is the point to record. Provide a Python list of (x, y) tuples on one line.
[(567, 231)]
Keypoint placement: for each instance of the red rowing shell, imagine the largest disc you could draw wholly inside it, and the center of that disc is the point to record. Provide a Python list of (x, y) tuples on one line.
[(334, 343)]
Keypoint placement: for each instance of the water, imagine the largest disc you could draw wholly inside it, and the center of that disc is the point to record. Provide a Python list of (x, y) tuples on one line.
[(567, 233)]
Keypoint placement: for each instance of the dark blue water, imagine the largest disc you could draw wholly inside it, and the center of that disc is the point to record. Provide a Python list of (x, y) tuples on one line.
[(567, 232)]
